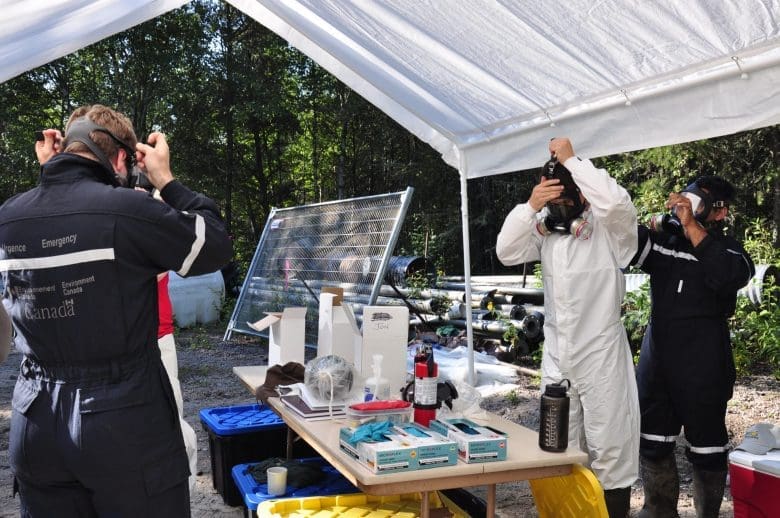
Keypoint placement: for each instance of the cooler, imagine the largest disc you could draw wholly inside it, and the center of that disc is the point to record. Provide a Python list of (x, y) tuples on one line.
[(755, 484)]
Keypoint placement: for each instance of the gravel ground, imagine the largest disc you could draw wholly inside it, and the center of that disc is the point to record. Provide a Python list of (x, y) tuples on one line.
[(205, 368)]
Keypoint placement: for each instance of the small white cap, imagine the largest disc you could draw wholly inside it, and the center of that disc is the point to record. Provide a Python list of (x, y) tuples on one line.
[(760, 438)]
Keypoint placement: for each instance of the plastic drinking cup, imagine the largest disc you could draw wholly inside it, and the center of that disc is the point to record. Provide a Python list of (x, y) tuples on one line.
[(277, 480)]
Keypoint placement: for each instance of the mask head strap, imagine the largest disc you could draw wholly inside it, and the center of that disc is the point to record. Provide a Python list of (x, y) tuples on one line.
[(80, 130)]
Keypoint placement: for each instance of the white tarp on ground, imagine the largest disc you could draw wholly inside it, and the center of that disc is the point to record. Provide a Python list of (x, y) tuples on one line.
[(453, 366)]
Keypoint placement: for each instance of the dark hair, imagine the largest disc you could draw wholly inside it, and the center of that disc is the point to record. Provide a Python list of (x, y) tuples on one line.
[(719, 189)]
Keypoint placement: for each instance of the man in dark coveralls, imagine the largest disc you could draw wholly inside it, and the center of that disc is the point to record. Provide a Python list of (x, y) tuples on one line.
[(686, 369), (95, 429)]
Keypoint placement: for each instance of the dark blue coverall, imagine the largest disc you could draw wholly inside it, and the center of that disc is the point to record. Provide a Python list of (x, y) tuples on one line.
[(95, 429), (686, 369)]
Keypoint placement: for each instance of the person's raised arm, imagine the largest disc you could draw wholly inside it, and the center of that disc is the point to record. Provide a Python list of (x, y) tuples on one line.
[(518, 241), (154, 159)]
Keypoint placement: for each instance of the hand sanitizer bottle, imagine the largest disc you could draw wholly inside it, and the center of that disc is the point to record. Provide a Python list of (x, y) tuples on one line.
[(376, 387)]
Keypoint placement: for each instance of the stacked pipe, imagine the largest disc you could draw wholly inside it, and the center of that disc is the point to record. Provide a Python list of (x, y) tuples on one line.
[(497, 302), (512, 305)]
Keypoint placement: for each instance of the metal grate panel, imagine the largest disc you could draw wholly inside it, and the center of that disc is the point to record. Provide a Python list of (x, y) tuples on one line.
[(345, 243)]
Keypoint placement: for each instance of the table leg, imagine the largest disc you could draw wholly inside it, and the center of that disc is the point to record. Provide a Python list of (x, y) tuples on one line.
[(425, 508), (290, 440), (490, 510)]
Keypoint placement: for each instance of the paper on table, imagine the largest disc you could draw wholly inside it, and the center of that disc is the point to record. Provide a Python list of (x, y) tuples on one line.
[(317, 403)]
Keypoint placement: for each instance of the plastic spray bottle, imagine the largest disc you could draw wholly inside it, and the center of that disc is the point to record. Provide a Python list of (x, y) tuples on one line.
[(376, 387)]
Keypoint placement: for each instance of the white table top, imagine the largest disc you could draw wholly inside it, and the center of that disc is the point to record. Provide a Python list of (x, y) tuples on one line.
[(253, 376), (525, 460)]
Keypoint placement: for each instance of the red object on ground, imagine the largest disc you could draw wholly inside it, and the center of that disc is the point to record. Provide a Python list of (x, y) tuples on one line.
[(755, 484)]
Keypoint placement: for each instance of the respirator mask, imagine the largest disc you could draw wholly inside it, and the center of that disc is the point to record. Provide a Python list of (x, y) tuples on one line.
[(80, 130), (702, 204), (564, 214)]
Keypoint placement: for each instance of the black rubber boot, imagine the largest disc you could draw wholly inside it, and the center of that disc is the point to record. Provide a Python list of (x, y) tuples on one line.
[(661, 485), (618, 502), (708, 488)]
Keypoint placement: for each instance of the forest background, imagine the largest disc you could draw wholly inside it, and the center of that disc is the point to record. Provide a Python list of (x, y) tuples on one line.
[(255, 124)]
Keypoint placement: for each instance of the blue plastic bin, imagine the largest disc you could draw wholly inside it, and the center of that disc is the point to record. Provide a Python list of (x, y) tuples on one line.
[(254, 493), (240, 434), (240, 420)]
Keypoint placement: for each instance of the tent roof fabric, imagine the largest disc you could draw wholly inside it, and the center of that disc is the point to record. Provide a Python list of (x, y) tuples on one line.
[(34, 33), (487, 83), (483, 81)]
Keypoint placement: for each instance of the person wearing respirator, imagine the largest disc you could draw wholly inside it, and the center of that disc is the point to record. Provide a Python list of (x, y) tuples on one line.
[(95, 429), (582, 226), (686, 369)]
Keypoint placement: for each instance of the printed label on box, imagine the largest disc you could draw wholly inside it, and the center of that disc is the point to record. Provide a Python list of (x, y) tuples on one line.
[(475, 443), (390, 456)]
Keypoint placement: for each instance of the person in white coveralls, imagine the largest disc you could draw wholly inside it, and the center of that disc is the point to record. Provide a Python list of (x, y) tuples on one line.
[(582, 225)]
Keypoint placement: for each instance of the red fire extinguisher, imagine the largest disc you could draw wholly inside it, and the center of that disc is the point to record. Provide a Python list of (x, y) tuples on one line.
[(426, 378)]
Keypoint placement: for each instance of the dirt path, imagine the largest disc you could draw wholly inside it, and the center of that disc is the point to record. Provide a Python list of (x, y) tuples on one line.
[(205, 368)]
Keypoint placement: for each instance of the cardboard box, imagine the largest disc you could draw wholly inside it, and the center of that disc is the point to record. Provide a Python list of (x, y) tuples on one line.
[(755, 484), (475, 443), (433, 449), (394, 455), (286, 338), (386, 332), (338, 331)]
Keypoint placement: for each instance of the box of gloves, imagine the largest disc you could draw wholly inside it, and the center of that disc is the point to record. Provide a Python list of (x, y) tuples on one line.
[(379, 447), (433, 449), (475, 443)]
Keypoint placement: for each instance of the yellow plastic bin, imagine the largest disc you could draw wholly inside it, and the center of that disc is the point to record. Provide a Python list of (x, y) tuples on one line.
[(354, 506), (578, 495)]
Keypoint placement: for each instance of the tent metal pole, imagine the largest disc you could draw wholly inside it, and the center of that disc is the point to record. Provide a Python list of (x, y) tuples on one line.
[(464, 213)]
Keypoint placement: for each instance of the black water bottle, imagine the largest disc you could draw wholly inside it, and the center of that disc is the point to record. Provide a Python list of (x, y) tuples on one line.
[(554, 418)]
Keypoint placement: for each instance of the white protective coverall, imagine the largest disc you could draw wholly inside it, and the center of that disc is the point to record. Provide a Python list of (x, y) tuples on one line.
[(585, 341)]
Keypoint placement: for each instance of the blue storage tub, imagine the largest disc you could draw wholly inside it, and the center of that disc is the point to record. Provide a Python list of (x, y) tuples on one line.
[(255, 493), (235, 420), (240, 434)]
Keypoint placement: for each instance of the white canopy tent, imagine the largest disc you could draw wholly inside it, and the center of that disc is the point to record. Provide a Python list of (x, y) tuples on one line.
[(488, 82)]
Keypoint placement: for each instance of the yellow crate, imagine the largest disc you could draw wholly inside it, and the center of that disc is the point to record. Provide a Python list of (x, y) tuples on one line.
[(578, 495), (357, 505)]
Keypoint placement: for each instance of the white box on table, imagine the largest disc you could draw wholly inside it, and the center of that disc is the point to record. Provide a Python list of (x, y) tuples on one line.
[(338, 331), (386, 332), (433, 449), (286, 336)]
